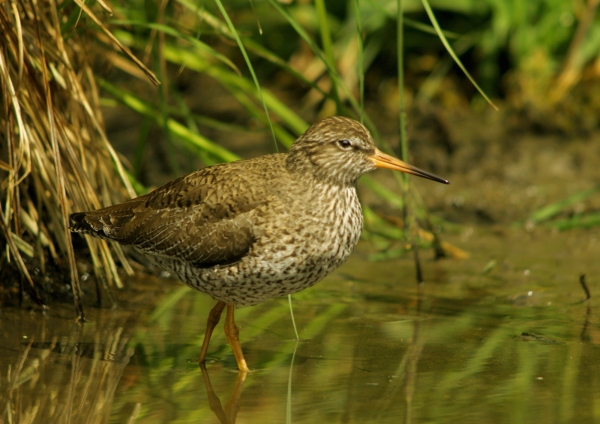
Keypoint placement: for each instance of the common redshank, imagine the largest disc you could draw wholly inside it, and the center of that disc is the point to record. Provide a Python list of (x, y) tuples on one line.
[(247, 231)]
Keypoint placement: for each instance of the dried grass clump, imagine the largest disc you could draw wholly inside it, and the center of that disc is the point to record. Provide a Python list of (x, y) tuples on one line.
[(54, 155)]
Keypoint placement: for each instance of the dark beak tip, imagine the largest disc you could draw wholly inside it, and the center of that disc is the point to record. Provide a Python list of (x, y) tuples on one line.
[(434, 178)]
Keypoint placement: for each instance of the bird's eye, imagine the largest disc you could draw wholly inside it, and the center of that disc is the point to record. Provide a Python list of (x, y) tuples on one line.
[(344, 144)]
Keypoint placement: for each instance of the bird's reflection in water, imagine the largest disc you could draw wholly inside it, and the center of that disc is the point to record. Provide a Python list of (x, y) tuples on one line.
[(227, 414)]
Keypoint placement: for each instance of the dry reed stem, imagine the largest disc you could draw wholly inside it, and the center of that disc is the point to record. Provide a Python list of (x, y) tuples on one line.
[(123, 48), (54, 155)]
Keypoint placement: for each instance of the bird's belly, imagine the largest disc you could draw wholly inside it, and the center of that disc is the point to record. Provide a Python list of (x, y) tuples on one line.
[(297, 262), (299, 257), (288, 270), (289, 257)]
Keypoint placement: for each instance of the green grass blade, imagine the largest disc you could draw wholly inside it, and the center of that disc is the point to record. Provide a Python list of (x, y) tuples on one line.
[(292, 315), (249, 64), (435, 78), (266, 54), (446, 44), (361, 59), (401, 107), (333, 73), (288, 407), (328, 48), (250, 45), (428, 29), (192, 140), (580, 221), (178, 35), (235, 82), (301, 32), (549, 211), (383, 192)]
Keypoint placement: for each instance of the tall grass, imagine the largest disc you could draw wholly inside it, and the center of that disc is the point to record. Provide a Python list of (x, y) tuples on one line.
[(55, 157)]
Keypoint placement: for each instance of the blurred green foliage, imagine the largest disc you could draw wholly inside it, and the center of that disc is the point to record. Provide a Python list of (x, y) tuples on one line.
[(285, 65), (305, 60), (516, 50)]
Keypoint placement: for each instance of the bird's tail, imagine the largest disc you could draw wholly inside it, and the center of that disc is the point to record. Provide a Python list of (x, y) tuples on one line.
[(86, 223), (78, 223)]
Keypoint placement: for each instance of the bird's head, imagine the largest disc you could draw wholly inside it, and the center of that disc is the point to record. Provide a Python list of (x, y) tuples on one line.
[(340, 149)]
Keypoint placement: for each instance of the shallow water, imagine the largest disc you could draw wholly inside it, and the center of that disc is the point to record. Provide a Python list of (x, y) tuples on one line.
[(502, 336)]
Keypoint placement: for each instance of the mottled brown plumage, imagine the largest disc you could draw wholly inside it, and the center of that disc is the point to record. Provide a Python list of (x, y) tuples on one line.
[(247, 231)]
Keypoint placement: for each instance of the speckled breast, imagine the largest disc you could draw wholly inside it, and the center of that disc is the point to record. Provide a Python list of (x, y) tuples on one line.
[(293, 254)]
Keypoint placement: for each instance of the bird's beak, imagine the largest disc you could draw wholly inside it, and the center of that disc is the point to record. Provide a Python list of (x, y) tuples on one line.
[(382, 160)]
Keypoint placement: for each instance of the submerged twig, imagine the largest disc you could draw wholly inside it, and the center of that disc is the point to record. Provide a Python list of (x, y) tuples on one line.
[(588, 295), (418, 268)]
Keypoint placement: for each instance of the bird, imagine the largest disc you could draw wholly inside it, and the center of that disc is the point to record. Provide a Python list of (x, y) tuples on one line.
[(247, 231)]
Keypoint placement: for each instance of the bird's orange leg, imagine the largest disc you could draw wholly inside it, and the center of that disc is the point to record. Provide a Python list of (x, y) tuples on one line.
[(213, 319), (232, 333)]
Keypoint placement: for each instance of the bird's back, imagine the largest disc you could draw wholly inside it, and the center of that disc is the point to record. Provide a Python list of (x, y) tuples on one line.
[(204, 218)]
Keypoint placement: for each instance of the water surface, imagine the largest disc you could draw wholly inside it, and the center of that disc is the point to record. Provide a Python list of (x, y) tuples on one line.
[(503, 336)]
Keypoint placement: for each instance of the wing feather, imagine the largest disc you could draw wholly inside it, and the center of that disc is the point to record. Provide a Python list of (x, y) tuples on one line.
[(206, 218)]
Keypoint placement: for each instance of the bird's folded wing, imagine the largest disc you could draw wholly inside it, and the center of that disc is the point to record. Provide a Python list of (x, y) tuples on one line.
[(198, 224)]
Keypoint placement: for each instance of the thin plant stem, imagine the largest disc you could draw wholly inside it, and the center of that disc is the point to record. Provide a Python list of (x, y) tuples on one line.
[(250, 67), (292, 315), (409, 219), (449, 49), (327, 46), (402, 110), (361, 60), (288, 409)]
